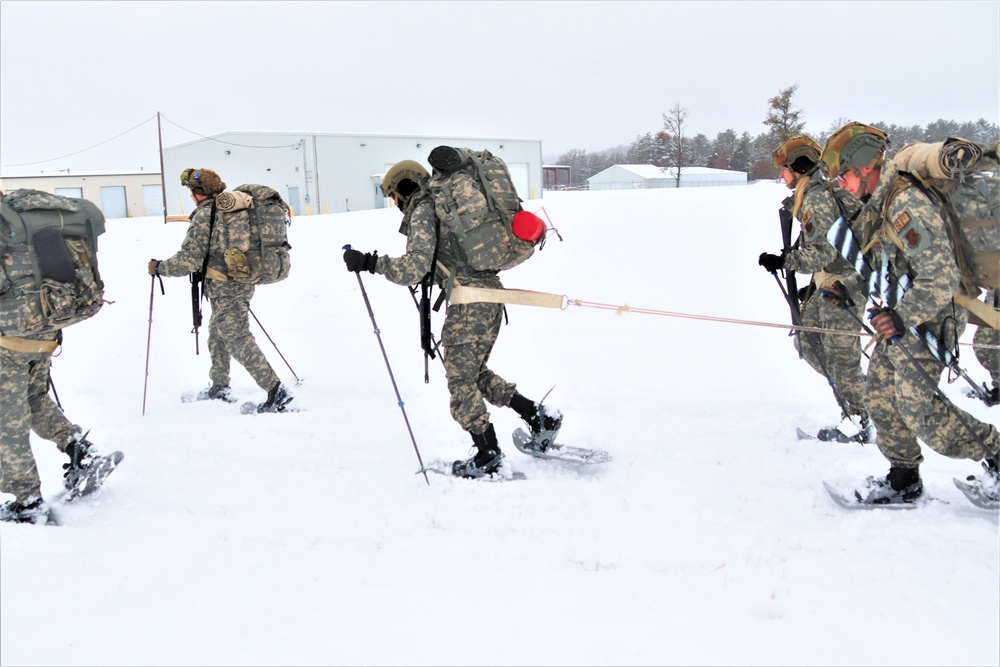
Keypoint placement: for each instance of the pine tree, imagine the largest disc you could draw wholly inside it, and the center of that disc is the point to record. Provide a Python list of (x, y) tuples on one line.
[(783, 120)]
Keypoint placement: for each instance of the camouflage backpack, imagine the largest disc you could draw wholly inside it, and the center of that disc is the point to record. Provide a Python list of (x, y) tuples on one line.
[(961, 178), (48, 276), (475, 198), (255, 234)]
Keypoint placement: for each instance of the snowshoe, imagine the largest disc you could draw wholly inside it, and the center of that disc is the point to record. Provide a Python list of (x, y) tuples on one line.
[(87, 470), (982, 491), (901, 485), (481, 465), (33, 511), (277, 400), (217, 392), (849, 431)]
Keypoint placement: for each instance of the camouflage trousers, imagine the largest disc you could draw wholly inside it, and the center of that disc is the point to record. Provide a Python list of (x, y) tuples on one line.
[(905, 407), (229, 337), (836, 357), (25, 406), (988, 357), (468, 336)]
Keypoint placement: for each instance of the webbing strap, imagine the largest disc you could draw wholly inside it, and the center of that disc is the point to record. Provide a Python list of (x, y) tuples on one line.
[(18, 344)]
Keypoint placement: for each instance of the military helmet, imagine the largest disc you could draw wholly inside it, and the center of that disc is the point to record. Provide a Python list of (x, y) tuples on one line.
[(202, 181), (407, 170), (791, 150), (853, 145)]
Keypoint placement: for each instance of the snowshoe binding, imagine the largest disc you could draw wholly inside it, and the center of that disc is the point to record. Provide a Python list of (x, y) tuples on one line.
[(87, 470), (900, 485), (33, 510)]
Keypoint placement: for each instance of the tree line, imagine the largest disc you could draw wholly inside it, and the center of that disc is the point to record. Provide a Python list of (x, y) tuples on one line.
[(673, 147)]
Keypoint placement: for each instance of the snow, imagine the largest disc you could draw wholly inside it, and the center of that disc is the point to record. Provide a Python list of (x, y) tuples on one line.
[(306, 538)]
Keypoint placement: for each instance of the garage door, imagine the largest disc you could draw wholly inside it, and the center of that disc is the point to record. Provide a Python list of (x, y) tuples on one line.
[(519, 174), (70, 192), (152, 199), (113, 201)]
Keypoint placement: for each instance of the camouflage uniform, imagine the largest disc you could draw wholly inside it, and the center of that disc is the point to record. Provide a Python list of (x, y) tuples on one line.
[(25, 406), (989, 357), (470, 330), (835, 356), (229, 326), (24, 395), (902, 404)]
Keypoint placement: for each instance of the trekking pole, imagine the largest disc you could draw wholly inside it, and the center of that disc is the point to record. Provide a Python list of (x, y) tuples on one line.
[(399, 399), (149, 335), (931, 382), (826, 373), (298, 380)]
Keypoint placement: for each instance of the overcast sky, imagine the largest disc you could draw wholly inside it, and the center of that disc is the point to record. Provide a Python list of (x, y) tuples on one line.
[(589, 75)]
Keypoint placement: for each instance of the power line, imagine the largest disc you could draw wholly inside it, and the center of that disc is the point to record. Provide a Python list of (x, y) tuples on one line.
[(26, 164), (228, 143)]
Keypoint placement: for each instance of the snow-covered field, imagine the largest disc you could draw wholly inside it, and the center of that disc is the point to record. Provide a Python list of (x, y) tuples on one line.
[(307, 538)]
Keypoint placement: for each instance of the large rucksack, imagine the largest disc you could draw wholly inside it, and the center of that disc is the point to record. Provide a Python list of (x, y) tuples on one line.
[(49, 278), (961, 178), (476, 200), (255, 234)]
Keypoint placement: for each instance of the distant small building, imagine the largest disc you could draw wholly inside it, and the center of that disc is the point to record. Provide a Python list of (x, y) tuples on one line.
[(646, 176), (119, 194), (556, 176)]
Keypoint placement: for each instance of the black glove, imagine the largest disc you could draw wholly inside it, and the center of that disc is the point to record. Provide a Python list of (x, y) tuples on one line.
[(358, 261), (836, 295), (772, 263), (806, 292)]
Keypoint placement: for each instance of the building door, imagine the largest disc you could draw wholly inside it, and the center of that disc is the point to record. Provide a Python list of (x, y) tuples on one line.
[(152, 199), (293, 200), (70, 192), (113, 201), (519, 175)]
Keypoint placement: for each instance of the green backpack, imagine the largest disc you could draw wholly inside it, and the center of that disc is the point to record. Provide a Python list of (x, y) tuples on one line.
[(48, 276), (475, 198), (255, 233), (961, 178)]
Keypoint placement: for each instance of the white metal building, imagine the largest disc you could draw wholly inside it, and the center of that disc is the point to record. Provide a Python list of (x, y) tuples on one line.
[(119, 194), (330, 173), (629, 176)]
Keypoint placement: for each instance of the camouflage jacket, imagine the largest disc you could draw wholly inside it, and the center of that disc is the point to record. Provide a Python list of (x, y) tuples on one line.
[(420, 224), (196, 244), (820, 209), (927, 253)]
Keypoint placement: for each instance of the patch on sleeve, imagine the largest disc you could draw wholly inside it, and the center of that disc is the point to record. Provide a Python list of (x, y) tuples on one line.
[(902, 221), (912, 237), (807, 225)]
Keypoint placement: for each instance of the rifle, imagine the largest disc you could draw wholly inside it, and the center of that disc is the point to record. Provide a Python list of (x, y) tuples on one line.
[(889, 288), (786, 218), (197, 280)]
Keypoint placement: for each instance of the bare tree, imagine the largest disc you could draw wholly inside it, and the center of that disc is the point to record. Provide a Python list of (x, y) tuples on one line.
[(674, 124), (783, 120)]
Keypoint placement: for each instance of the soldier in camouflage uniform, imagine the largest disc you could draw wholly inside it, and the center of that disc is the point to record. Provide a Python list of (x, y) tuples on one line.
[(469, 331), (229, 334), (907, 225), (986, 344), (816, 204), (25, 404)]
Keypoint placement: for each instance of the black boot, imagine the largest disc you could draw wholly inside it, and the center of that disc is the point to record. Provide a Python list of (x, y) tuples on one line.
[(278, 399), (32, 510), (536, 416), (81, 457), (217, 392), (901, 485), (486, 461)]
